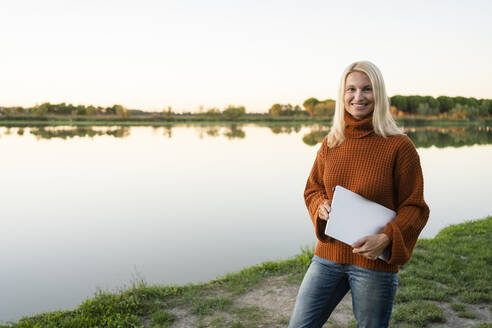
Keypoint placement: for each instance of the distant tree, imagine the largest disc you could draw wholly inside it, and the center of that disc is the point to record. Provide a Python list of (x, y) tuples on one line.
[(298, 110), (81, 110), (399, 102), (325, 108), (413, 103), (473, 102), (13, 111), (464, 111), (213, 112), (485, 107), (460, 100), (285, 110), (432, 102), (445, 104), (110, 110), (168, 112), (309, 105), (39, 111), (91, 110), (425, 109), (275, 110), (233, 112), (120, 110)]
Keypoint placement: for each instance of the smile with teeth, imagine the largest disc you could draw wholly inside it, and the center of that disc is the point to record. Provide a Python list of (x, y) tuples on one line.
[(359, 106)]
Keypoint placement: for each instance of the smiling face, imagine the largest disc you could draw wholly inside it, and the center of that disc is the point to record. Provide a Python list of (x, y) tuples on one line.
[(358, 97)]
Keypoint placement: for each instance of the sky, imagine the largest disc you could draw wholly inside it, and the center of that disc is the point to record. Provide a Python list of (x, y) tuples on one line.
[(151, 54)]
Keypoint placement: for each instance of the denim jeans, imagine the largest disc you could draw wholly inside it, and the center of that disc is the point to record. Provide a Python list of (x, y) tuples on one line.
[(326, 283)]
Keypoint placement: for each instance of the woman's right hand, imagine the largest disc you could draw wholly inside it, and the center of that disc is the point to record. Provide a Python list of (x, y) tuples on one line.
[(324, 211)]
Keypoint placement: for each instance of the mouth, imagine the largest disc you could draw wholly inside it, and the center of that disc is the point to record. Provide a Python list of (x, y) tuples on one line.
[(358, 106)]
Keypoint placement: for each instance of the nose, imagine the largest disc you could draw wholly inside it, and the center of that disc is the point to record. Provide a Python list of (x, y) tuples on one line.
[(358, 95)]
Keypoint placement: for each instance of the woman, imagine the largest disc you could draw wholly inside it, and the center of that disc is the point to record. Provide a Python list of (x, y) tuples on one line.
[(366, 153)]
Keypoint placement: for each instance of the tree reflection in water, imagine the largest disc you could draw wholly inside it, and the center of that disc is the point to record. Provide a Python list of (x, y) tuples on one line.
[(79, 131), (423, 137)]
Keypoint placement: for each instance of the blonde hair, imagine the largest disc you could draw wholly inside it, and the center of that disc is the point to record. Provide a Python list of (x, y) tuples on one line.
[(382, 121)]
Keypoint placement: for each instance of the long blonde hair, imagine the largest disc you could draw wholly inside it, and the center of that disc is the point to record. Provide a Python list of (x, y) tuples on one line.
[(382, 121)]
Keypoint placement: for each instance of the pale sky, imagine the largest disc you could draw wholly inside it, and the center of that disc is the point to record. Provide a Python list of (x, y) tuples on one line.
[(185, 53)]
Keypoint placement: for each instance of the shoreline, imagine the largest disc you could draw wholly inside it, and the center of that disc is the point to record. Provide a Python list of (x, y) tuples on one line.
[(446, 283), (178, 120)]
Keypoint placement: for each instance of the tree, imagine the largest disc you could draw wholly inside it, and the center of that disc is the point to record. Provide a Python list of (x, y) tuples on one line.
[(325, 108), (120, 110), (309, 105), (445, 104), (81, 110), (425, 109), (213, 112), (485, 107), (399, 102), (275, 110), (233, 113)]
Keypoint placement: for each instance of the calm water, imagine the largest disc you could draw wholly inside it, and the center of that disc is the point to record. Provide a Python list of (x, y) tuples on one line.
[(93, 208)]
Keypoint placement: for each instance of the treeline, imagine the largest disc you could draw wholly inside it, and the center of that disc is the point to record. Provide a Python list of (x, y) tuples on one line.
[(312, 108), (401, 106), (46, 109), (64, 109), (442, 106), (229, 113)]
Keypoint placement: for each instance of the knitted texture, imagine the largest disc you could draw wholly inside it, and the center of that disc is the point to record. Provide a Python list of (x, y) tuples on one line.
[(384, 170)]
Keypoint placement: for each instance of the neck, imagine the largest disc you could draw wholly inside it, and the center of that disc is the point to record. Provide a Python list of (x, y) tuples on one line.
[(358, 128)]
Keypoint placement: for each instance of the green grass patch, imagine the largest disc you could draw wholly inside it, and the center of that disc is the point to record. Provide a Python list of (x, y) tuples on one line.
[(455, 263), (467, 315), (163, 318), (206, 306), (483, 325), (457, 307), (418, 313)]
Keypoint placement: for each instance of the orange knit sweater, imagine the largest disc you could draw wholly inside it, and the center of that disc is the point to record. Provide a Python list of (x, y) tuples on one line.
[(384, 170)]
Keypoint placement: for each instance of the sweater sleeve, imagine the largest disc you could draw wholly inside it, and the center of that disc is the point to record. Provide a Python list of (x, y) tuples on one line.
[(315, 194), (412, 212)]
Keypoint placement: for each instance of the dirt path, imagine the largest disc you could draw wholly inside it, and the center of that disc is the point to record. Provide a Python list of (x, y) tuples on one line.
[(270, 305)]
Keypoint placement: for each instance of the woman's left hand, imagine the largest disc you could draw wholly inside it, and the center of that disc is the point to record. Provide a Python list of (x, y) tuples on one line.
[(371, 246)]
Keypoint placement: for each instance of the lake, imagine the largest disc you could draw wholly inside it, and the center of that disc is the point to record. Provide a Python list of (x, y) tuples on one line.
[(93, 208)]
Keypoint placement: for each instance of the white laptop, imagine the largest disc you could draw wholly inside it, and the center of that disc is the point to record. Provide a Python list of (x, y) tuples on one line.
[(353, 217)]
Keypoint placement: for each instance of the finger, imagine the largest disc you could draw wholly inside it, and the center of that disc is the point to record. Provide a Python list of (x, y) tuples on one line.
[(359, 242), (327, 206)]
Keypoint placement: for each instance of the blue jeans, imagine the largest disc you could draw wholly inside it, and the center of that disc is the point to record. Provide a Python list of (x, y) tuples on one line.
[(326, 283)]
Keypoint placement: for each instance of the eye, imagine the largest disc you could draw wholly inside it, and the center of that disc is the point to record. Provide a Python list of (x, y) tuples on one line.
[(367, 89), (350, 89)]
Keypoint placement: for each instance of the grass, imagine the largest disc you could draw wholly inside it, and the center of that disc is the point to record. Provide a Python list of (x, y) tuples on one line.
[(163, 318), (454, 267)]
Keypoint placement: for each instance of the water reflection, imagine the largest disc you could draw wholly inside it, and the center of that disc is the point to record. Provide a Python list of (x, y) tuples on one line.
[(81, 213), (79, 131), (277, 129), (450, 136), (423, 137)]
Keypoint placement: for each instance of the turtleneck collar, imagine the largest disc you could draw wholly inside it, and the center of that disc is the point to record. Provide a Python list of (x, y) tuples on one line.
[(358, 128)]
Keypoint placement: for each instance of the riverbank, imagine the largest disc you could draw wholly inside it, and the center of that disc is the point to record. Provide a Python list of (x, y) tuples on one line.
[(23, 121), (447, 283)]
